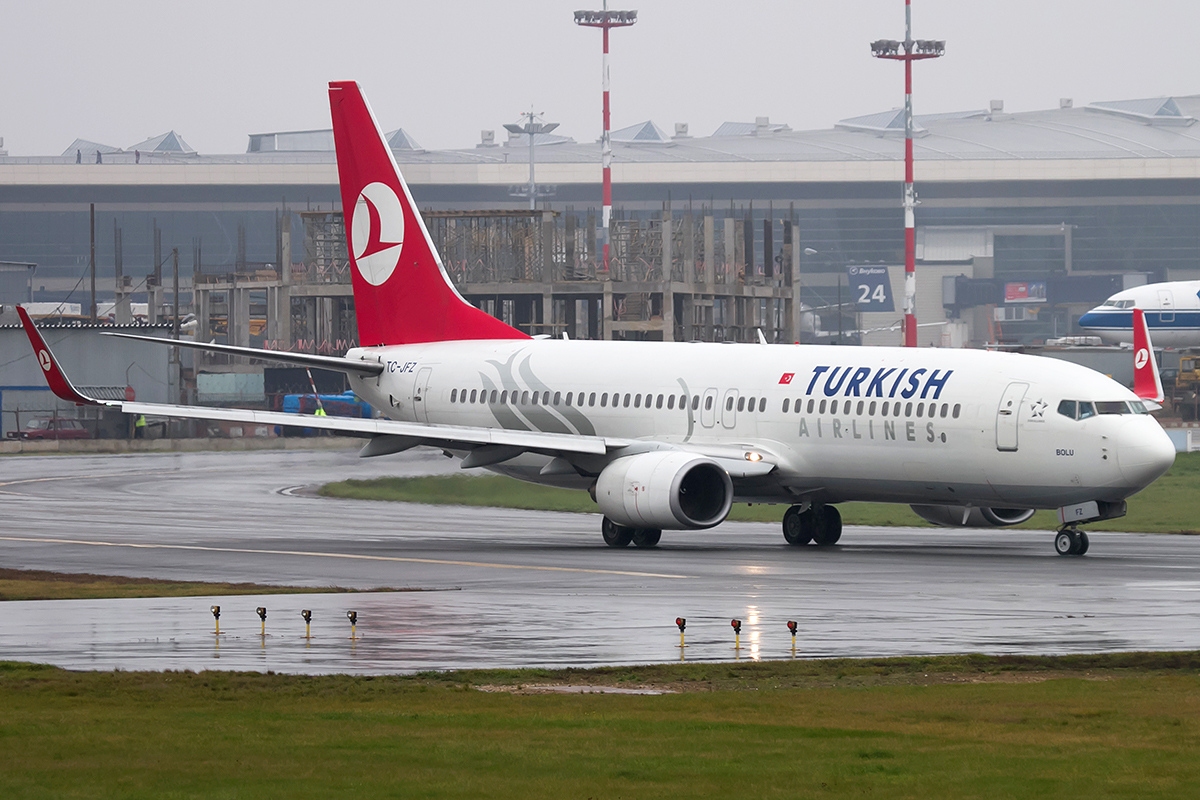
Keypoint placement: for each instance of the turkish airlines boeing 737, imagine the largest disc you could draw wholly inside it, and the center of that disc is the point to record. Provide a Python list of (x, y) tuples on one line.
[(670, 435)]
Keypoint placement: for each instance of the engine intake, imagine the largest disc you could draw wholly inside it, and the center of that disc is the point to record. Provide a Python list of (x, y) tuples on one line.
[(668, 489), (970, 517)]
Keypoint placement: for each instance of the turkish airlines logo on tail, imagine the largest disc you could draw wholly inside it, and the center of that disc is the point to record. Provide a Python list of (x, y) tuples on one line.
[(786, 378), (377, 232), (1141, 358)]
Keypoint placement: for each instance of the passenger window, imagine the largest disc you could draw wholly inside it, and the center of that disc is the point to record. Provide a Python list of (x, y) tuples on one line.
[(762, 404), (557, 397), (569, 396), (658, 403), (821, 410), (637, 401), (535, 398), (833, 407), (1067, 408), (473, 392), (957, 408), (708, 403), (859, 410), (729, 404), (454, 395), (896, 409), (626, 400), (945, 409), (871, 409), (696, 402), (810, 405), (787, 401), (885, 408), (920, 410), (545, 398), (671, 402), (1086, 410), (908, 409), (741, 403), (749, 404), (604, 400), (592, 400), (494, 393), (504, 396), (525, 398)]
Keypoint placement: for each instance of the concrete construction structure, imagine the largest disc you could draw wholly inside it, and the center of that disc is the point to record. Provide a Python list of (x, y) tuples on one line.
[(1025, 219)]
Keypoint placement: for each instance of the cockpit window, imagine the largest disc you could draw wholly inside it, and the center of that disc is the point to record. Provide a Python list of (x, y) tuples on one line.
[(1110, 303), (1072, 409)]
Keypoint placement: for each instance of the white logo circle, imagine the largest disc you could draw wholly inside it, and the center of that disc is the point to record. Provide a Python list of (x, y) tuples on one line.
[(1140, 358), (377, 232), (44, 360)]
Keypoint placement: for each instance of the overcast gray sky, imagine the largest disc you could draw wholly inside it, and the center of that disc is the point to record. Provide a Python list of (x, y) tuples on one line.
[(120, 71)]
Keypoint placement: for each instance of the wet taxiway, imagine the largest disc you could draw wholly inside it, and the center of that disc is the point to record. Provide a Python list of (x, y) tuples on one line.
[(501, 588)]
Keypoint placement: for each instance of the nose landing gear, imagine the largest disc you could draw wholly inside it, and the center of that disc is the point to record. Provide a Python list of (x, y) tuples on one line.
[(1070, 541)]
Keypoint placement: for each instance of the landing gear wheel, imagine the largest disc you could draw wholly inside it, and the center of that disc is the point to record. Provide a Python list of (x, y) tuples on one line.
[(798, 526), (1067, 542), (829, 526), (615, 535), (646, 537), (1083, 544)]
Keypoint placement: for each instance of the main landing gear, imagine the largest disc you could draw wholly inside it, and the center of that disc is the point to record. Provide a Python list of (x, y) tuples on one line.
[(821, 525), (1070, 542), (619, 536)]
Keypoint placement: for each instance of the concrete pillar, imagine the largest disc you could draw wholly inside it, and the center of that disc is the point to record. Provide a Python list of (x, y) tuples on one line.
[(606, 312), (710, 266), (689, 247), (731, 252), (793, 310), (548, 318)]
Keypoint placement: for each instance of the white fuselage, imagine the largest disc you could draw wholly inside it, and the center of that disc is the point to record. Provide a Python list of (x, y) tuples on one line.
[(962, 427), (1172, 313)]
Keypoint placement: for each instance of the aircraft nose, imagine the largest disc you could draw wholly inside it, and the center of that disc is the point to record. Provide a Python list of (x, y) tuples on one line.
[(1089, 320), (1144, 452)]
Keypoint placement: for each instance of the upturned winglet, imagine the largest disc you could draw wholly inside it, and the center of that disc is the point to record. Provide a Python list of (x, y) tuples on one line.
[(59, 383)]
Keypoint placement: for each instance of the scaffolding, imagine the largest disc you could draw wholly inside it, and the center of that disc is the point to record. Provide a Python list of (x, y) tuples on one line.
[(671, 276)]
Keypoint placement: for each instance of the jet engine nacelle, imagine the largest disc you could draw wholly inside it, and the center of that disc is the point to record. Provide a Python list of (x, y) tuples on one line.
[(665, 489), (968, 517)]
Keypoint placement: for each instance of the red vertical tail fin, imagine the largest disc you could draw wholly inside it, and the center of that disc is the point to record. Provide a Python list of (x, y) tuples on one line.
[(402, 294), (1147, 384)]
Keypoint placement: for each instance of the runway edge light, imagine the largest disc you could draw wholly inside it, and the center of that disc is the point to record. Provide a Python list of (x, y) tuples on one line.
[(737, 633), (353, 617), (262, 616), (792, 626), (307, 623), (216, 612), (681, 623)]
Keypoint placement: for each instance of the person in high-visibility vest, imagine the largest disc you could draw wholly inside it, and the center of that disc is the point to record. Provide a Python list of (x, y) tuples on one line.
[(139, 427)]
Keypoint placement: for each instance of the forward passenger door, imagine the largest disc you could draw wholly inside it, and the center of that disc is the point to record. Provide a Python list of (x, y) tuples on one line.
[(1008, 415)]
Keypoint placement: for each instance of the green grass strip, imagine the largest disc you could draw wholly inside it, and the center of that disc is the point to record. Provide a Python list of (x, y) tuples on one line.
[(1082, 727), (18, 584), (1169, 505)]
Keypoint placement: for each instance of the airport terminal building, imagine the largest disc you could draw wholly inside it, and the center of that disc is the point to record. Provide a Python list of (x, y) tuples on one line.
[(1025, 220)]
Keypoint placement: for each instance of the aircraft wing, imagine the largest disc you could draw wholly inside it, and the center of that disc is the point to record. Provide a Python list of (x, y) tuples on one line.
[(301, 359), (487, 445)]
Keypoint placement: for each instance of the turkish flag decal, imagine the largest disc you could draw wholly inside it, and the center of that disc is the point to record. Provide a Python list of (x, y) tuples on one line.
[(786, 378)]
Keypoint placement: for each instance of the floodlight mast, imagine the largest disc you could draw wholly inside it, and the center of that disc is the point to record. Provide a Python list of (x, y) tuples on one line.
[(909, 51), (604, 20), (531, 128)]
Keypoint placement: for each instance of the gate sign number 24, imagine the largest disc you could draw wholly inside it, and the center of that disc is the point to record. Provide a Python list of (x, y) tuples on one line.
[(871, 288)]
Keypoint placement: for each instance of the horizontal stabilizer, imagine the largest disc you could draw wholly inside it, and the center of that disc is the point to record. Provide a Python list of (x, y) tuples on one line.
[(335, 363)]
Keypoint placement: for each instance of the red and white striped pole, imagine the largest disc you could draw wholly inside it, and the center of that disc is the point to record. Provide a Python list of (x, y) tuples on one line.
[(604, 20), (909, 51)]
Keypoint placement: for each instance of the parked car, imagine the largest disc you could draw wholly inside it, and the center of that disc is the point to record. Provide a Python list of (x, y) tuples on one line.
[(52, 428)]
